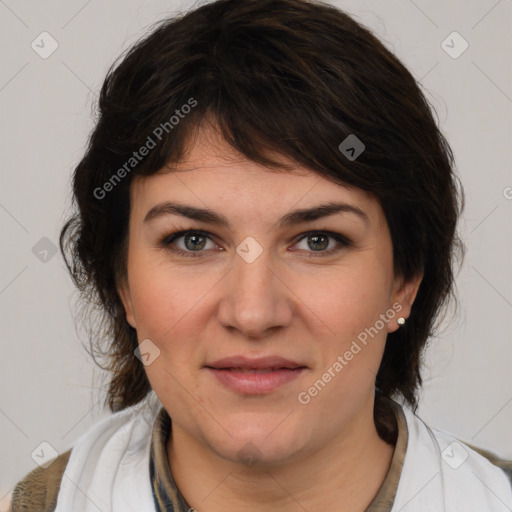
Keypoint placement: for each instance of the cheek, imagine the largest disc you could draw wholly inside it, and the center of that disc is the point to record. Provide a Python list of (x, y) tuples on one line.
[(169, 312), (345, 301), (347, 306), (166, 301), (350, 349)]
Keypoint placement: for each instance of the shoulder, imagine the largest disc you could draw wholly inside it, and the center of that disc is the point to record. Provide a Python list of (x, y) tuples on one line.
[(455, 452), (460, 474), (38, 491), (504, 464)]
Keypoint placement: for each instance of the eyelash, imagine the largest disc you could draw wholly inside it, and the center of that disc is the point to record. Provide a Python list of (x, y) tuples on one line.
[(170, 238)]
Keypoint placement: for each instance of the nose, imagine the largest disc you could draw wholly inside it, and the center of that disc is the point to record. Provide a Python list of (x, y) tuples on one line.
[(255, 300)]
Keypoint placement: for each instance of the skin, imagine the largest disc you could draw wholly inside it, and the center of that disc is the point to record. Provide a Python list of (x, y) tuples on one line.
[(291, 301)]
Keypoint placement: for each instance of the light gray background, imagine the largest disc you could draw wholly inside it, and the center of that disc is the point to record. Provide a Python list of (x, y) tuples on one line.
[(50, 390)]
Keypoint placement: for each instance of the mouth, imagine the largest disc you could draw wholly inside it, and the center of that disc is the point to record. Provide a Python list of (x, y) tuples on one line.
[(254, 370), (255, 376)]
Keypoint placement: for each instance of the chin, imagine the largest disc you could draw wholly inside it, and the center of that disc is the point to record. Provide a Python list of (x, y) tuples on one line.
[(254, 454), (261, 443)]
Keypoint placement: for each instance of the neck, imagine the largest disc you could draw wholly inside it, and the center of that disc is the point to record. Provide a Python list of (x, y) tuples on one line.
[(349, 470)]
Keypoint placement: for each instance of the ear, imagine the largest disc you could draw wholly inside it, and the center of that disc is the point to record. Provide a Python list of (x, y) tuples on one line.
[(123, 291), (403, 297)]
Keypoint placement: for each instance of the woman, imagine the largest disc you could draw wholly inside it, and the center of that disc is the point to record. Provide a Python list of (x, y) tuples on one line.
[(267, 214)]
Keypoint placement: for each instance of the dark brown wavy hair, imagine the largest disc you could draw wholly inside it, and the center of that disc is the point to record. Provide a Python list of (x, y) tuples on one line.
[(279, 77)]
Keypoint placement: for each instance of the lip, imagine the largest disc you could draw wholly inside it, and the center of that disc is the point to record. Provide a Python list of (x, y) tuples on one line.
[(256, 363), (255, 376)]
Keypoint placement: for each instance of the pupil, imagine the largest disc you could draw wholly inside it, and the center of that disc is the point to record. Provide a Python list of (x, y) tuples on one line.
[(315, 238), (194, 245)]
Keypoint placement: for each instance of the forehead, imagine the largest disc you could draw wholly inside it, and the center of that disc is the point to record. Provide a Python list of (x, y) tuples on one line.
[(214, 175)]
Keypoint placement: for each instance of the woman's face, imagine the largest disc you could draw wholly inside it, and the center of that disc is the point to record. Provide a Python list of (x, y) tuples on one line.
[(261, 341)]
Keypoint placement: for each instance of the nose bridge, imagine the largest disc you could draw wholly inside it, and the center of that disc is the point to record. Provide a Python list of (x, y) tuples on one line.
[(255, 300)]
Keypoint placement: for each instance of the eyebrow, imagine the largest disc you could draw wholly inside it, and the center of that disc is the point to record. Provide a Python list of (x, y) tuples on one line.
[(290, 219)]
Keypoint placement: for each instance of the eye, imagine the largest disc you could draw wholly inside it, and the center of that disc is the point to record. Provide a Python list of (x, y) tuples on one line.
[(319, 241), (194, 243), (189, 242)]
